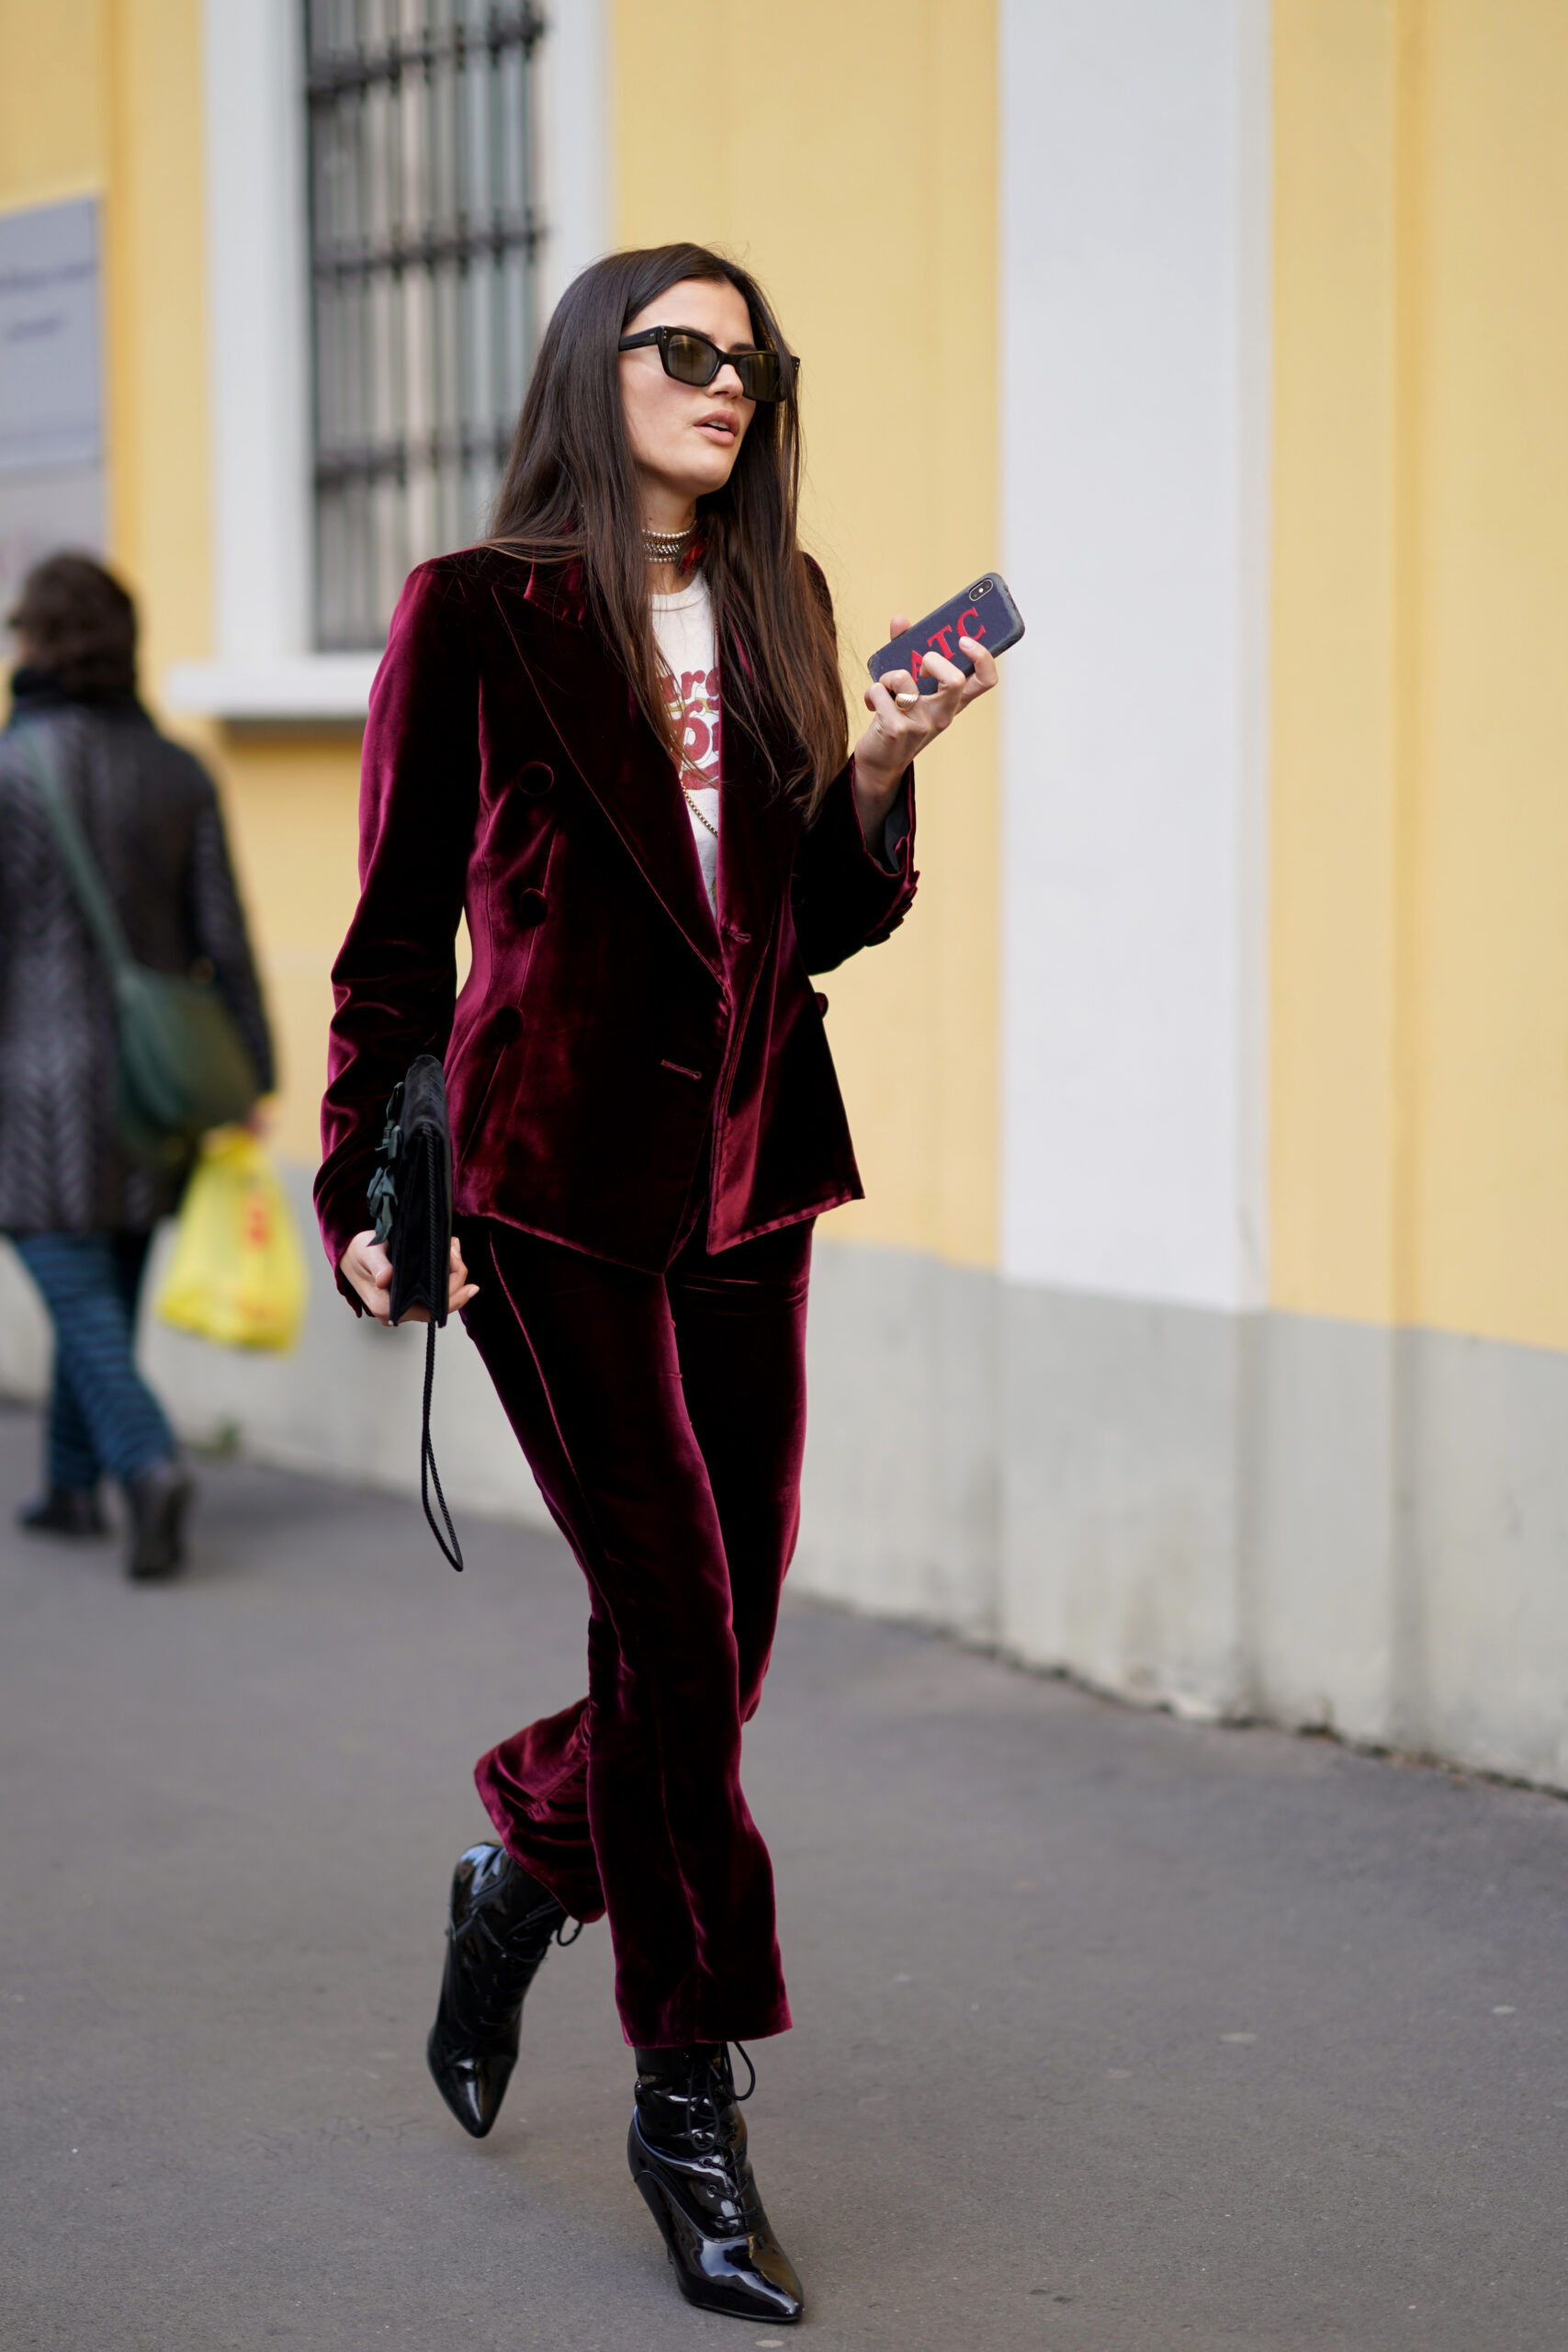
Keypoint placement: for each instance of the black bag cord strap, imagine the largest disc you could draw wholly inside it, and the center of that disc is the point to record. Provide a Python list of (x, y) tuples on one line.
[(429, 1475)]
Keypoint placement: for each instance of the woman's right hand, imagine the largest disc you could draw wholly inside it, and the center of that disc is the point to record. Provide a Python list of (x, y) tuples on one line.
[(368, 1267)]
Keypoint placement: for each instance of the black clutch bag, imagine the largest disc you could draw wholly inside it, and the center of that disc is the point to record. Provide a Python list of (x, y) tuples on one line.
[(410, 1201)]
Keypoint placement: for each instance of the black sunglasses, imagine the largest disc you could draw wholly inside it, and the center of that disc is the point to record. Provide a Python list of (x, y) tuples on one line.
[(691, 358)]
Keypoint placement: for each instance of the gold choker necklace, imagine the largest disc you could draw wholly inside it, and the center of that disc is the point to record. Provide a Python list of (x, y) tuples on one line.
[(667, 546)]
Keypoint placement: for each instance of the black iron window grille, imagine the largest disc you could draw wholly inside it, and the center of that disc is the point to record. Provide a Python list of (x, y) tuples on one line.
[(423, 237)]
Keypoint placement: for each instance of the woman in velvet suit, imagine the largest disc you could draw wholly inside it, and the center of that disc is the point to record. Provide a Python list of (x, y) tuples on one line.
[(613, 739)]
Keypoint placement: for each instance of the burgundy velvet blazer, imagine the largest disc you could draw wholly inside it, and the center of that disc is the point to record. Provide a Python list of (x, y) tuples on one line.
[(614, 1047)]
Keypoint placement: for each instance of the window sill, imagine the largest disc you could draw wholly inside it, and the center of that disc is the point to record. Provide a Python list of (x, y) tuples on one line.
[(324, 688)]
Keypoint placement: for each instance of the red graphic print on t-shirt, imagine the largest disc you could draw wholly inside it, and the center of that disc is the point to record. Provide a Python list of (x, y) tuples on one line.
[(699, 721)]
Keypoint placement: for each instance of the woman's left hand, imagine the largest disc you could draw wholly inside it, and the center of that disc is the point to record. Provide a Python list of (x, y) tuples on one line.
[(904, 722)]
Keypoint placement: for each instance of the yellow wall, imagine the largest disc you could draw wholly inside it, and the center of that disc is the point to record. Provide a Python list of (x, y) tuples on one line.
[(293, 810), (105, 96), (1420, 694), (1420, 1058), (849, 156), (53, 100), (1334, 780), (155, 323)]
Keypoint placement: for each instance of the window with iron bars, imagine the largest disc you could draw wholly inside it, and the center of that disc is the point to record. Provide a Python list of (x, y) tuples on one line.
[(423, 238)]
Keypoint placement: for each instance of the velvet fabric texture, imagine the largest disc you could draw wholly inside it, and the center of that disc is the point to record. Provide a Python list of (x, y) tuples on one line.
[(617, 1050), (664, 1417), (645, 1122)]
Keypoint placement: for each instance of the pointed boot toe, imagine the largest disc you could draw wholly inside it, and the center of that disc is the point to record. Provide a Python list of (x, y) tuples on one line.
[(687, 2152), (500, 1926), (473, 2084)]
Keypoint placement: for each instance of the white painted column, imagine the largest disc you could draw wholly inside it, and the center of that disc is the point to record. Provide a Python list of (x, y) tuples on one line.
[(258, 299), (1135, 326), (576, 155), (1134, 366)]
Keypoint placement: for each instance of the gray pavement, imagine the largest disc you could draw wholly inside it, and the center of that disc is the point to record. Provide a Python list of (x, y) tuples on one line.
[(1111, 2032)]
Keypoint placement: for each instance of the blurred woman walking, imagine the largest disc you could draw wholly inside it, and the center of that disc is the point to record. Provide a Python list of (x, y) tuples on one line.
[(77, 1209)]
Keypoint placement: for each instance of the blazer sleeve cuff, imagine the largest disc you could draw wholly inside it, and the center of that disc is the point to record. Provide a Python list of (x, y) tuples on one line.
[(896, 827), (889, 851), (889, 877)]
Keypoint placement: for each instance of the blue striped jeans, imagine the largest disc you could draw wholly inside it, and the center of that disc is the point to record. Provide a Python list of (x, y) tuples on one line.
[(102, 1415)]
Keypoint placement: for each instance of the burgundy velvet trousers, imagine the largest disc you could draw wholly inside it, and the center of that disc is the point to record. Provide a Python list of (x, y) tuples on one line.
[(664, 1417)]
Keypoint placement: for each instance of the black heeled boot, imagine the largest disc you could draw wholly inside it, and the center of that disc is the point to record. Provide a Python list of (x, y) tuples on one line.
[(498, 1928), (687, 2152)]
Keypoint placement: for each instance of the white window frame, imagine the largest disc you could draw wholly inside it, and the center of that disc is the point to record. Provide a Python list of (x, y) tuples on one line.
[(263, 668)]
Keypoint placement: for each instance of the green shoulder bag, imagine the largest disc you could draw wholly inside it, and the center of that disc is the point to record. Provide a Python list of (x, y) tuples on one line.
[(183, 1066)]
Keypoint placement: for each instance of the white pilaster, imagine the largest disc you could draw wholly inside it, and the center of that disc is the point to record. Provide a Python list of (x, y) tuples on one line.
[(1135, 339), (576, 156), (259, 328)]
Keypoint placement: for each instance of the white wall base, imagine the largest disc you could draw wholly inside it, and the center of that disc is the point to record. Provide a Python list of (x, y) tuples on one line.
[(1322, 1523), (1190, 1509), (899, 1513)]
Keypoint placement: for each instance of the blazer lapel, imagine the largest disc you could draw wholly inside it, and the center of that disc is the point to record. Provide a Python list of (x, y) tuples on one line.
[(611, 745)]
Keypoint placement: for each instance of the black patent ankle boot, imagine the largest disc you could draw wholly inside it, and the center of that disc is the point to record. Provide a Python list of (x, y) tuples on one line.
[(687, 2152), (499, 1929)]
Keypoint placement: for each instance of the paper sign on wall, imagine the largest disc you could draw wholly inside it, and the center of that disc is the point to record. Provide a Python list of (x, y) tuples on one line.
[(52, 404)]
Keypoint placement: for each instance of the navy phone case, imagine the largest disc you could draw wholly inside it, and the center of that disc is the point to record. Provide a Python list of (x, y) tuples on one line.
[(984, 611)]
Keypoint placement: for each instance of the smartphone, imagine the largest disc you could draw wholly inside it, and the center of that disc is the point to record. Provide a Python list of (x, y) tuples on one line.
[(984, 611)]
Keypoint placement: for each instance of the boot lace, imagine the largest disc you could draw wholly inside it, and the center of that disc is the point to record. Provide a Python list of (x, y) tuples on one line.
[(710, 2085)]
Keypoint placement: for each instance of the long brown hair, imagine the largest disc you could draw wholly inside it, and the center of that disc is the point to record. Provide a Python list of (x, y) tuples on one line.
[(570, 489)]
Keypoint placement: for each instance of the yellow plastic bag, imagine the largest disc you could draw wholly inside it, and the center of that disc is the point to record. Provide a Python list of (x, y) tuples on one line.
[(237, 1274)]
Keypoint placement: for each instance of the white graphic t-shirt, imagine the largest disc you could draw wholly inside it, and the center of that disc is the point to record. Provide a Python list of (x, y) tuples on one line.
[(683, 631)]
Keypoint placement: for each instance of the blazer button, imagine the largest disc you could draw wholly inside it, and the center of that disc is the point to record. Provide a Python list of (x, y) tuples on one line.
[(537, 777), (821, 1002), (507, 1024), (528, 908)]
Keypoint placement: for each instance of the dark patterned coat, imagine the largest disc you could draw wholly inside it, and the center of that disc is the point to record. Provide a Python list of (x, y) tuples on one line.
[(151, 819)]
